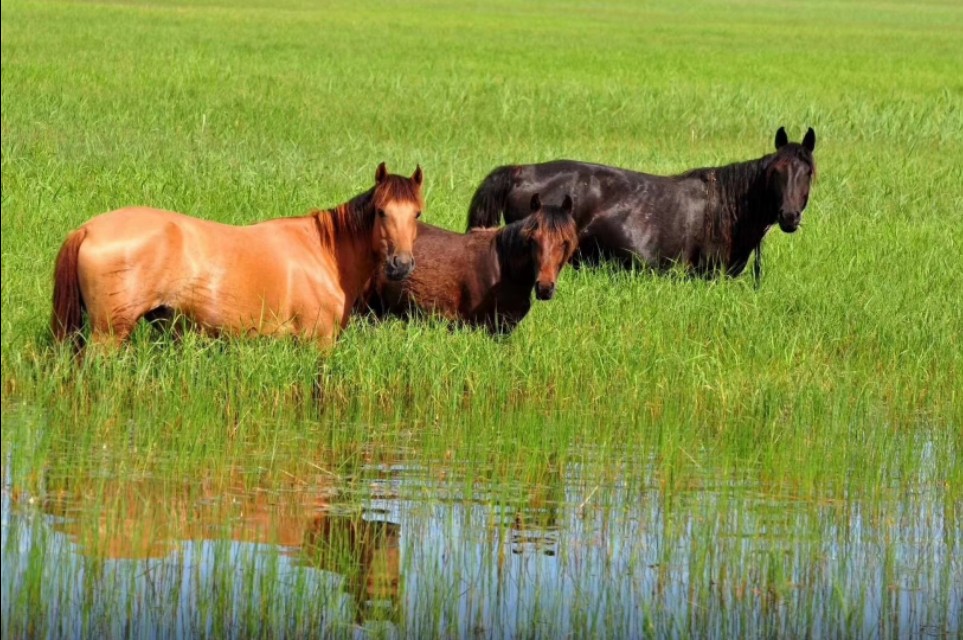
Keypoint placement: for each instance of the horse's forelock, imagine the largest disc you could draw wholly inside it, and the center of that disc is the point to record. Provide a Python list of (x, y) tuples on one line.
[(396, 188), (795, 151), (557, 220), (513, 237), (357, 216)]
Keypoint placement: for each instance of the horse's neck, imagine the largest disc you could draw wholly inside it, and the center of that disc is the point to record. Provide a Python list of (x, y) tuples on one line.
[(515, 268), (743, 191), (745, 205), (357, 262), (352, 250)]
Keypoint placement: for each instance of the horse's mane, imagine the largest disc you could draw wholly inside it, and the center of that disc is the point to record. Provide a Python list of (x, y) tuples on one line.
[(733, 192), (356, 217)]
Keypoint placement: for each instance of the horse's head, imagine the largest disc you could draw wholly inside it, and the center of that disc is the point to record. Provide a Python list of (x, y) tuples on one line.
[(397, 203), (790, 174), (551, 234)]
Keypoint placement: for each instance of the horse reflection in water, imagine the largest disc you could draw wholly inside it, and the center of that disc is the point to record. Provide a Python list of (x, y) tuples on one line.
[(138, 520), (534, 520)]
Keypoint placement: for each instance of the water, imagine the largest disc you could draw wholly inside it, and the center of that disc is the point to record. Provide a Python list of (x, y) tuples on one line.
[(414, 550)]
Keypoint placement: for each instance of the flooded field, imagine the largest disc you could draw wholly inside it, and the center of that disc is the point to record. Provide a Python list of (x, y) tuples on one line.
[(417, 548), (645, 456)]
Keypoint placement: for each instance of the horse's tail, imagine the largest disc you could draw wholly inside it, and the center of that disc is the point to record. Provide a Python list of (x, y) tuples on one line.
[(68, 303), (488, 203)]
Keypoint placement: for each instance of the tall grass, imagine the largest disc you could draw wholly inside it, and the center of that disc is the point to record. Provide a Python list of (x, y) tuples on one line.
[(837, 383)]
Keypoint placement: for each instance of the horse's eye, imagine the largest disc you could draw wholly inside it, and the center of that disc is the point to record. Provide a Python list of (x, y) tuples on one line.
[(381, 213), (418, 215)]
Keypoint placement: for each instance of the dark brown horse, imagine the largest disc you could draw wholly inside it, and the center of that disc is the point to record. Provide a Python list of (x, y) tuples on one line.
[(707, 219), (484, 277), (297, 276)]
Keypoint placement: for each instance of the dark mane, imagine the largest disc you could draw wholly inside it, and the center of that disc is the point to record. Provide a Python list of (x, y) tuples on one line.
[(735, 192), (510, 240)]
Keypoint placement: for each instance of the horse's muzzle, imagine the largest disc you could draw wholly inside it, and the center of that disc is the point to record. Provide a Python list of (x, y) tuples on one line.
[(544, 291), (399, 266), (789, 221)]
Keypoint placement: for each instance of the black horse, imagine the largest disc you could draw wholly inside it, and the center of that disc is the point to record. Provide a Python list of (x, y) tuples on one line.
[(708, 219)]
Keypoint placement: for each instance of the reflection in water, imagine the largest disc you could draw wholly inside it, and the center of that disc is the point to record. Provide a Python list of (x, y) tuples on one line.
[(419, 558), (535, 523), (143, 558), (114, 520), (366, 552)]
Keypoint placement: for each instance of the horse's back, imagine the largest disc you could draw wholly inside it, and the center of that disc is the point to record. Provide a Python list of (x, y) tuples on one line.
[(583, 171), (136, 239), (140, 221), (621, 214), (594, 187), (145, 226)]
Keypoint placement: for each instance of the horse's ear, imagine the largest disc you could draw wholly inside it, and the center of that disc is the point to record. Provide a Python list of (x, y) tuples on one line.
[(536, 203), (781, 138), (568, 205), (418, 176), (810, 140), (381, 173)]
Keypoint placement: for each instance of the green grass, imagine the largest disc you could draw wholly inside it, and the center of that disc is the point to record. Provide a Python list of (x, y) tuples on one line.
[(824, 387)]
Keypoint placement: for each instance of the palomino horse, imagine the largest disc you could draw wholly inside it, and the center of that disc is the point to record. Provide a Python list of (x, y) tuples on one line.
[(706, 219), (298, 276), (484, 277)]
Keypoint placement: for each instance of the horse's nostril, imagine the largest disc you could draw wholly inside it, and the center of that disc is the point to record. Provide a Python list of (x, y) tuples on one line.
[(399, 267), (544, 291)]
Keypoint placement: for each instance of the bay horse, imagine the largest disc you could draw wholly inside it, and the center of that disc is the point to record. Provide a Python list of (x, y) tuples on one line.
[(298, 275), (708, 220), (483, 278)]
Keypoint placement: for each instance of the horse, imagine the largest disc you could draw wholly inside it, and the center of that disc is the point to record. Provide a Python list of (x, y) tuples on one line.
[(483, 278), (708, 219), (297, 275)]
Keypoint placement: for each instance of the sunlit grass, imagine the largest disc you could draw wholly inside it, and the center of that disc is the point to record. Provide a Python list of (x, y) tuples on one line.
[(830, 396)]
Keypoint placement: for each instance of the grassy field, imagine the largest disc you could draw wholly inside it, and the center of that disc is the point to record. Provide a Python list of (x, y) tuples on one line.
[(801, 442)]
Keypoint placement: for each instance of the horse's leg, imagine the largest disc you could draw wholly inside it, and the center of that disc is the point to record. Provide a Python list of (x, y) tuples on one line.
[(320, 326), (111, 326), (110, 332), (323, 335), (757, 267)]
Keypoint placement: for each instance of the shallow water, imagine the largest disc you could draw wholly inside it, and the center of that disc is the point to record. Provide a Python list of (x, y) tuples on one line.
[(421, 550)]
